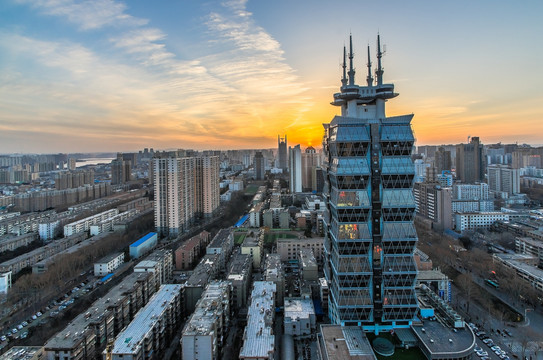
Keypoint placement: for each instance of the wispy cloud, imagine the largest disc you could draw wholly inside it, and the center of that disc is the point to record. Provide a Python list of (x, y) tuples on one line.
[(241, 91), (87, 15)]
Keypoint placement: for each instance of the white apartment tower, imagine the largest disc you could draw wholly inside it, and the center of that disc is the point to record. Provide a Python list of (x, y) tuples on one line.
[(174, 194), (503, 178), (207, 185), (185, 188)]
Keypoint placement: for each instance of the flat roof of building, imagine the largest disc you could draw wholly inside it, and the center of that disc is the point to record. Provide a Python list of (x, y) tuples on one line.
[(519, 262), (143, 239), (250, 241), (71, 335), (240, 264), (275, 201), (307, 258), (219, 239), (108, 258), (298, 308), (207, 310), (131, 338), (259, 341), (145, 264), (431, 275), (346, 342), (439, 339), (203, 271)]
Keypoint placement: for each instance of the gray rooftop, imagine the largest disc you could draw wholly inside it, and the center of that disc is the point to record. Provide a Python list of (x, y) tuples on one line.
[(208, 309), (297, 308), (219, 239), (72, 333), (307, 259), (240, 264), (108, 258), (203, 271), (346, 342), (445, 340), (131, 338), (518, 261), (250, 241), (258, 336)]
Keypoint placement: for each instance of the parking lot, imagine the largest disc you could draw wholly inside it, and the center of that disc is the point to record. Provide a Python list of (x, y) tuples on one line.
[(56, 307)]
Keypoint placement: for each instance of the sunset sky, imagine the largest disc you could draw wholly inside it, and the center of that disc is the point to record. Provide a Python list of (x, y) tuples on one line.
[(104, 75)]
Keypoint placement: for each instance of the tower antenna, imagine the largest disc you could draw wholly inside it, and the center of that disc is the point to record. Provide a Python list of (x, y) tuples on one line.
[(369, 79), (344, 78), (380, 70), (351, 55)]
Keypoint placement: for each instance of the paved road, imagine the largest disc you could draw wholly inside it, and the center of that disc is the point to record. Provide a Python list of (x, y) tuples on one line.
[(490, 325)]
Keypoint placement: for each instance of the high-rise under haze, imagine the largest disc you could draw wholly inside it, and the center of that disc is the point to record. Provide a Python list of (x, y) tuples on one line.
[(370, 236), (282, 160), (185, 188), (470, 162)]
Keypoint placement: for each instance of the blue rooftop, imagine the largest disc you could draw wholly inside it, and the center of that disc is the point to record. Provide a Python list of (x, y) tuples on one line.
[(143, 239), (106, 278), (241, 221)]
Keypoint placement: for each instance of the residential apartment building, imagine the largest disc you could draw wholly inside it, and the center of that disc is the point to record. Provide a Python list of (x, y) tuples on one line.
[(205, 332), (470, 162), (258, 337), (288, 248), (87, 335), (85, 224), (188, 254), (474, 220), (108, 264), (503, 179), (153, 328), (295, 168), (185, 187)]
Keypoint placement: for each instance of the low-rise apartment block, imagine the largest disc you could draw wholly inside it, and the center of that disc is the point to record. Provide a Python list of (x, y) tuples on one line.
[(240, 273), (299, 317), (188, 254), (85, 224), (258, 337), (288, 248), (108, 264), (207, 328), (475, 220), (222, 244), (203, 273), (86, 336), (152, 329)]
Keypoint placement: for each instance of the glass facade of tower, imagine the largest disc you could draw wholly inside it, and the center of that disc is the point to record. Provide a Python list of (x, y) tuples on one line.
[(370, 237)]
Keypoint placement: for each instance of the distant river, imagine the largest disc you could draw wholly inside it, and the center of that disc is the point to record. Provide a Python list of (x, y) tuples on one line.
[(93, 161)]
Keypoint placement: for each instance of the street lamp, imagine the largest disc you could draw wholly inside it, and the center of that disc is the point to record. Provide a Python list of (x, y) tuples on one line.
[(525, 311)]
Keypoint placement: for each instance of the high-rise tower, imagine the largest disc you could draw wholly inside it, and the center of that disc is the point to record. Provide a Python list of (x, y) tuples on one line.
[(282, 160), (370, 236)]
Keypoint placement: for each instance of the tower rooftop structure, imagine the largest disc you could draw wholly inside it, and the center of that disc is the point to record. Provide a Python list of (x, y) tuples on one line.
[(370, 236), (364, 95)]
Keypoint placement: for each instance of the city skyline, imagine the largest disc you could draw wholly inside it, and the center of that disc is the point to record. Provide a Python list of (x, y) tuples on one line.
[(119, 76)]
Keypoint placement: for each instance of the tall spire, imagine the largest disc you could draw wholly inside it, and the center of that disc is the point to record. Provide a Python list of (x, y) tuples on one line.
[(351, 69), (369, 79), (379, 71), (344, 78)]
